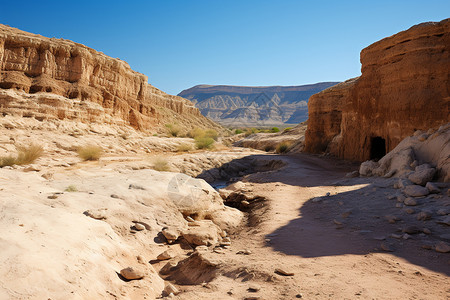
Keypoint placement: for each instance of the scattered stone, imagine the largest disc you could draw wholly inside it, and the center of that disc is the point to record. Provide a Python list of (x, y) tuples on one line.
[(426, 231), (54, 196), (427, 246), (379, 238), (328, 194), (245, 203), (201, 248), (115, 196), (337, 222), (352, 174), (396, 236), (168, 254), (219, 251), (170, 234), (253, 288), (32, 168), (171, 289), (410, 201), (445, 221), (401, 198), (398, 205), (391, 197), (299, 296), (443, 212), (406, 236), (387, 247), (391, 219), (252, 298), (422, 174), (139, 226), (424, 215), (131, 274), (283, 272), (244, 252), (346, 213), (411, 229), (136, 187), (416, 191), (442, 247), (189, 219), (96, 214), (432, 188), (410, 211)]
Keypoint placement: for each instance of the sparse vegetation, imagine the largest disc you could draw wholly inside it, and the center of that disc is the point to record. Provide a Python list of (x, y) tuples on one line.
[(184, 147), (238, 131), (275, 129), (204, 142), (282, 147), (269, 148), (71, 188), (287, 129), (174, 129), (25, 155), (160, 164), (90, 152), (211, 133)]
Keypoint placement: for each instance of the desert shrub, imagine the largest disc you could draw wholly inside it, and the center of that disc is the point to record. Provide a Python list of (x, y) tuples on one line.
[(269, 148), (7, 161), (275, 129), (71, 188), (287, 129), (160, 164), (211, 133), (282, 147), (204, 142), (174, 129), (196, 133), (238, 131), (90, 152), (155, 134), (26, 155), (184, 147)]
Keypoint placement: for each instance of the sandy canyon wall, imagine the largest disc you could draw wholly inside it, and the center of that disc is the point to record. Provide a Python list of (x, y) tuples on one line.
[(404, 87), (50, 78)]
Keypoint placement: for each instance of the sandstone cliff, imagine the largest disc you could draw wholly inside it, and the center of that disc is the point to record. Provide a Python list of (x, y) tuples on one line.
[(404, 87), (50, 78), (254, 106)]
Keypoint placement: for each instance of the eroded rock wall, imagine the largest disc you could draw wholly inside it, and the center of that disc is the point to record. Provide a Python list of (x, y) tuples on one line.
[(404, 87), (46, 68)]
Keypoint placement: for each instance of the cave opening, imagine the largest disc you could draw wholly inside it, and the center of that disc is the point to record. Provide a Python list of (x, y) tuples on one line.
[(377, 148)]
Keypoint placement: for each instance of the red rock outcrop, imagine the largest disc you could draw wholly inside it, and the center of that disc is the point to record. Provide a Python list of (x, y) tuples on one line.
[(404, 87), (56, 78)]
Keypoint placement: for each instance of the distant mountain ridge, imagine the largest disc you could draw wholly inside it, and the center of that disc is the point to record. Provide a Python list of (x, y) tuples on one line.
[(254, 105)]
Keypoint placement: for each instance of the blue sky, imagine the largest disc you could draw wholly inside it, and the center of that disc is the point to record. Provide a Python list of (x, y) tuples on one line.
[(179, 44)]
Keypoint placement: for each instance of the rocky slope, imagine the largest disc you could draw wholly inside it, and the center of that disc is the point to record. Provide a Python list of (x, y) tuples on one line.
[(404, 87), (254, 106), (48, 78)]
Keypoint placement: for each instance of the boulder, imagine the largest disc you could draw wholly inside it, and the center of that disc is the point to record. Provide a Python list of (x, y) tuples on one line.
[(422, 174), (416, 191)]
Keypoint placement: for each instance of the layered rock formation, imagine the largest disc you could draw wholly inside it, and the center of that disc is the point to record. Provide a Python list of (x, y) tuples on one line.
[(59, 79), (404, 87), (254, 106)]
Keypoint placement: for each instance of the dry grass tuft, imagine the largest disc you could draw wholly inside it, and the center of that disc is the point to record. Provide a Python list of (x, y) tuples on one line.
[(160, 164), (90, 152), (184, 147), (204, 143), (283, 147), (25, 155)]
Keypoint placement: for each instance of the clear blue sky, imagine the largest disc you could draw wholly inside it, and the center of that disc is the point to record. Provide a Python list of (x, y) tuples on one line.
[(179, 44)]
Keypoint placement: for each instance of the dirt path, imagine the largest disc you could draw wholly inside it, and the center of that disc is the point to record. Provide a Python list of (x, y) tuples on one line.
[(332, 244)]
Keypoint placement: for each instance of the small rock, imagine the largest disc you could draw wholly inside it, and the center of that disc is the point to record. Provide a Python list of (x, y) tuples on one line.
[(432, 188), (416, 191), (401, 198), (411, 229), (171, 289), (410, 201), (135, 187), (410, 210), (442, 247), (396, 236), (253, 288), (406, 236), (424, 215), (131, 274), (32, 168), (346, 213), (245, 252), (445, 221), (422, 174), (245, 203), (352, 174), (398, 205), (427, 246), (115, 196), (170, 234), (426, 231), (96, 214), (328, 194), (283, 272), (391, 197), (189, 219), (391, 219), (379, 238), (337, 222), (387, 247), (443, 212), (54, 196), (139, 226), (219, 251), (168, 254)]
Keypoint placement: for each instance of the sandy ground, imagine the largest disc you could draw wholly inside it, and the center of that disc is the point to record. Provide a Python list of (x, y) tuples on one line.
[(332, 243)]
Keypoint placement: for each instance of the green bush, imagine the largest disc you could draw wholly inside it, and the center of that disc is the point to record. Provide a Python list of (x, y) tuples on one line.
[(174, 130), (71, 188), (238, 131), (204, 142), (282, 147), (184, 147), (287, 129), (196, 133), (275, 129), (90, 152)]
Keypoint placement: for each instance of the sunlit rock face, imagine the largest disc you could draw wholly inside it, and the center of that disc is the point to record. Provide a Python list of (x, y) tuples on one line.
[(50, 78), (404, 87)]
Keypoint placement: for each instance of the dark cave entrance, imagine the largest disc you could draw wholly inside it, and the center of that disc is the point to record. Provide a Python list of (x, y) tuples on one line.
[(377, 148)]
